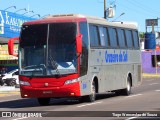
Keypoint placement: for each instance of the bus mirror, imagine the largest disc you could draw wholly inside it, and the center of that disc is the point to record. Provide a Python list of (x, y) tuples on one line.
[(79, 43), (11, 46)]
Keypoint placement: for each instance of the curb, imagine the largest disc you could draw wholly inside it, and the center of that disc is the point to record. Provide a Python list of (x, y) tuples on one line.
[(145, 75)]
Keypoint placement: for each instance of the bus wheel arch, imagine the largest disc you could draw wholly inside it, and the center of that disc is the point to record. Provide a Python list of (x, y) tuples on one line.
[(130, 75), (96, 83)]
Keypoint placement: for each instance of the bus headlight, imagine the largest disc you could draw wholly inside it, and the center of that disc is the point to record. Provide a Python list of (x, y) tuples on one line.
[(71, 81), (24, 83)]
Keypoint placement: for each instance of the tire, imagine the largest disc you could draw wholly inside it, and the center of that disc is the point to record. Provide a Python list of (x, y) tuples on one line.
[(92, 96), (1, 82), (43, 101), (127, 90), (10, 82)]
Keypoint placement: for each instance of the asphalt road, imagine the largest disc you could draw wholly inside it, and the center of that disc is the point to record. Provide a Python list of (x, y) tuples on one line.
[(145, 97)]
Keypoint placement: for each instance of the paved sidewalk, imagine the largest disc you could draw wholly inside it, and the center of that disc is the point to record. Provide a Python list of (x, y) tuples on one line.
[(8, 91), (8, 88)]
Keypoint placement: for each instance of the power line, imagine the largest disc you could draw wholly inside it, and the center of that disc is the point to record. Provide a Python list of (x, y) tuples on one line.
[(142, 7), (133, 9), (146, 7)]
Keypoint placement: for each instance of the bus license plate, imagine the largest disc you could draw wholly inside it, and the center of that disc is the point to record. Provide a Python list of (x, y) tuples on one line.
[(47, 92)]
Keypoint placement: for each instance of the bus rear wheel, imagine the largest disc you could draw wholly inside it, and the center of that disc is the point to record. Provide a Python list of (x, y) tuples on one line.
[(127, 90), (44, 101)]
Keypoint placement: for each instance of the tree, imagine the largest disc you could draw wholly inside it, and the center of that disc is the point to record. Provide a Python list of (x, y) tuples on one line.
[(141, 34)]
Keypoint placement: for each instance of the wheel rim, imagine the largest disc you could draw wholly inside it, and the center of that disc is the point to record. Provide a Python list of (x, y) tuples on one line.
[(128, 86), (93, 91)]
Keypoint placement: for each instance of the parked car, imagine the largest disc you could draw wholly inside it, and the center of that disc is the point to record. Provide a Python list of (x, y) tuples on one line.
[(11, 78), (1, 81)]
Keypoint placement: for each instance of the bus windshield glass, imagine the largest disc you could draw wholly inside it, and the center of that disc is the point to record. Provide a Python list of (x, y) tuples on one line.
[(48, 49)]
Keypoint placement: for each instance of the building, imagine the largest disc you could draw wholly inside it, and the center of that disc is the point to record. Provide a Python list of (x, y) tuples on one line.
[(10, 26), (151, 61), (151, 55)]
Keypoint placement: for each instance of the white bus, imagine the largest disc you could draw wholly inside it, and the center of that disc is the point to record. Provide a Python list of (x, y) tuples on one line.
[(77, 56)]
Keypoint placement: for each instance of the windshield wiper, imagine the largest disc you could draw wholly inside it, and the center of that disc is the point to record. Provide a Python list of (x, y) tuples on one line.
[(54, 65), (31, 66), (36, 68)]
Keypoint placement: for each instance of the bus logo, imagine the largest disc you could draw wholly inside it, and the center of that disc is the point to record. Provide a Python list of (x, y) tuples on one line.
[(116, 57), (46, 84)]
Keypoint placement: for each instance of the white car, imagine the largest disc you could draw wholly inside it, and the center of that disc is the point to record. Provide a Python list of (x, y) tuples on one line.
[(11, 78)]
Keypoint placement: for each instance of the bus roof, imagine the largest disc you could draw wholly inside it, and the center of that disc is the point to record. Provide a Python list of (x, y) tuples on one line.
[(80, 17)]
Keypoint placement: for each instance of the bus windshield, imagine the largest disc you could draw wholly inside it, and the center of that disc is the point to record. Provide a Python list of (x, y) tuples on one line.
[(48, 49)]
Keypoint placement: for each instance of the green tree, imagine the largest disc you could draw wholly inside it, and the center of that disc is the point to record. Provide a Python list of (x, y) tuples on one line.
[(141, 34)]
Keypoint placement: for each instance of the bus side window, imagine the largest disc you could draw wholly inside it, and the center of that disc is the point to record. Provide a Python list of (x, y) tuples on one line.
[(135, 39), (104, 39), (121, 38), (94, 36), (129, 38), (113, 37)]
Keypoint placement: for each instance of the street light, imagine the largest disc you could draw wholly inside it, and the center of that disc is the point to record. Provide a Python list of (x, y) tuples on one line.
[(35, 15), (21, 10), (28, 12), (10, 7), (119, 16)]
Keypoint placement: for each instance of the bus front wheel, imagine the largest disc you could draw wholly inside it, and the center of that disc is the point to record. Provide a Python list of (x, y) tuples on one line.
[(92, 96), (44, 101)]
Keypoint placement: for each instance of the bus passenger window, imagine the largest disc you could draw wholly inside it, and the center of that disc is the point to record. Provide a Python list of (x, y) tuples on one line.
[(121, 38), (94, 39), (135, 39), (104, 37), (113, 37), (129, 38)]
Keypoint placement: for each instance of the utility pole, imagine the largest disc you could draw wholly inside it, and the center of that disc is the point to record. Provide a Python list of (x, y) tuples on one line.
[(105, 17)]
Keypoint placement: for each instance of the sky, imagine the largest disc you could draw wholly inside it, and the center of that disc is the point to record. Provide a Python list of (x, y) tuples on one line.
[(134, 10)]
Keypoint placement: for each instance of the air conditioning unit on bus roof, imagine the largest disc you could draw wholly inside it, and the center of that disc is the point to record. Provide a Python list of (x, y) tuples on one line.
[(127, 23), (75, 15), (63, 15)]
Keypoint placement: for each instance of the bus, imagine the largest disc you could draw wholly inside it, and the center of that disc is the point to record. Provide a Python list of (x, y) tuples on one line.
[(78, 56)]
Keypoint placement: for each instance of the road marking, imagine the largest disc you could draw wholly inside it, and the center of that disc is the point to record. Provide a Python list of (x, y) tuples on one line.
[(133, 96), (89, 104), (20, 118), (149, 80), (131, 118), (154, 84), (2, 94), (157, 90)]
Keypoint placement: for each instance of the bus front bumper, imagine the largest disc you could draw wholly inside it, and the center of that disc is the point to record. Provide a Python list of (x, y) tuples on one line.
[(71, 90)]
